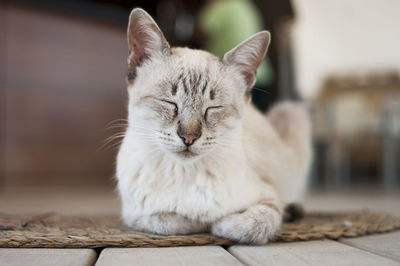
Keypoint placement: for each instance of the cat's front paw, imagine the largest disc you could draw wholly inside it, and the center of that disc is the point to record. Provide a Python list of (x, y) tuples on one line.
[(256, 225), (165, 224)]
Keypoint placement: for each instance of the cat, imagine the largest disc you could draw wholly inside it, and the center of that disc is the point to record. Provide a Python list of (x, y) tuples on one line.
[(196, 155)]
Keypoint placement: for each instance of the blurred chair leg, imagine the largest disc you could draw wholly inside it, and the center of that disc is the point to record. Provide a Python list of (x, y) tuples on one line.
[(338, 165), (389, 161), (390, 144)]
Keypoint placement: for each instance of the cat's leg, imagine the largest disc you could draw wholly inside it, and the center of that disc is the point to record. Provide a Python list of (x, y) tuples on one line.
[(255, 225), (167, 224)]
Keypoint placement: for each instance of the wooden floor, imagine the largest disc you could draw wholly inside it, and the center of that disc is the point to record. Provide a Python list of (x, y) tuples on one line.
[(383, 249)]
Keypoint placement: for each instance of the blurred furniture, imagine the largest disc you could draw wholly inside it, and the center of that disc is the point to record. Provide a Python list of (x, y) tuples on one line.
[(63, 83), (357, 121), (346, 63)]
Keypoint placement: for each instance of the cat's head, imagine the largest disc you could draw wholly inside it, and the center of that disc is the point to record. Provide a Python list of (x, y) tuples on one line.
[(187, 102)]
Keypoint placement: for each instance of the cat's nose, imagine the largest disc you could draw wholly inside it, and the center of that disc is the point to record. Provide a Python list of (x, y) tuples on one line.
[(188, 139), (189, 131)]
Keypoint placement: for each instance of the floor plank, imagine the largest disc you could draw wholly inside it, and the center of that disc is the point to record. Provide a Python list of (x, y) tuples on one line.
[(324, 252), (387, 245), (46, 256), (193, 256)]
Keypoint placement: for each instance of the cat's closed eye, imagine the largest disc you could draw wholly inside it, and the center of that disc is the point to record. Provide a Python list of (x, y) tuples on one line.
[(172, 104), (211, 110)]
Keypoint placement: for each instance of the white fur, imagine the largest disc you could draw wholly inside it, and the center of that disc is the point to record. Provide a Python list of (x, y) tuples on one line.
[(263, 167), (246, 167)]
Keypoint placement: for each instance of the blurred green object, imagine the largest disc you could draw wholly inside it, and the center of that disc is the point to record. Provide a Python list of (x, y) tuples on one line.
[(229, 22)]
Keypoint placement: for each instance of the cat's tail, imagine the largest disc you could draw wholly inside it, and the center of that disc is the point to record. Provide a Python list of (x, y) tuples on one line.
[(293, 124)]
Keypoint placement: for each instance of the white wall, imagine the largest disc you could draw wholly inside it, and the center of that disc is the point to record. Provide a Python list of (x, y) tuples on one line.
[(343, 37)]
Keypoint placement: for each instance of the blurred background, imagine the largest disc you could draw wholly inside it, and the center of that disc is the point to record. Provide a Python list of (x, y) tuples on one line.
[(63, 66)]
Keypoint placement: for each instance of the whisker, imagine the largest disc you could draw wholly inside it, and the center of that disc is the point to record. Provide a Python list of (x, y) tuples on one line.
[(118, 126), (120, 120), (111, 146), (258, 89)]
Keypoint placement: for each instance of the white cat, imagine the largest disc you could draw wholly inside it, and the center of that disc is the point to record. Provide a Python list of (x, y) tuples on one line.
[(197, 156)]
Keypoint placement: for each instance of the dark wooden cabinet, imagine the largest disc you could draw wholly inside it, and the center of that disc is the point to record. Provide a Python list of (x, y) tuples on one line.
[(62, 81)]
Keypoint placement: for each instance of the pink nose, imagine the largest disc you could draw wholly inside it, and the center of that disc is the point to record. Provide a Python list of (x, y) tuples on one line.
[(188, 138)]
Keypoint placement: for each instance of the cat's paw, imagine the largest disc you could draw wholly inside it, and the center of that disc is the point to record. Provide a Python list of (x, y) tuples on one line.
[(167, 224), (256, 225)]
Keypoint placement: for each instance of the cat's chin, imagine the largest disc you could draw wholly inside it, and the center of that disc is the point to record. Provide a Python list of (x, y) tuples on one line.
[(186, 156)]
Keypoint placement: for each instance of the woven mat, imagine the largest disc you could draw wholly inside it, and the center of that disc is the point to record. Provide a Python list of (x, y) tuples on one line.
[(51, 230)]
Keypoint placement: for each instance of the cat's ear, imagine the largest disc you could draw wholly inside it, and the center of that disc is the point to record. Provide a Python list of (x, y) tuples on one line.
[(145, 38), (248, 55)]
